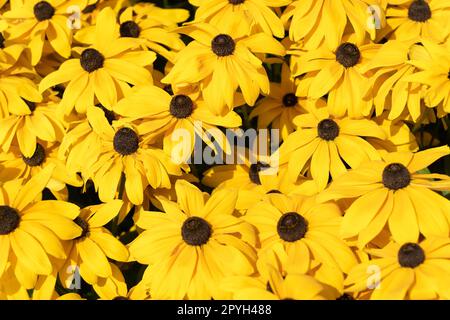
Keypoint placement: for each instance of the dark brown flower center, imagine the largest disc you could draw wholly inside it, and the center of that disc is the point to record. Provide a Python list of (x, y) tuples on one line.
[(130, 29), (235, 2), (419, 11), (196, 231), (43, 11), (410, 255), (396, 176), (255, 168), (2, 41), (121, 298), (292, 227), (37, 158), (348, 54), (328, 129), (290, 100), (223, 45), (448, 75), (181, 106), (126, 141), (91, 60), (84, 227), (9, 220)]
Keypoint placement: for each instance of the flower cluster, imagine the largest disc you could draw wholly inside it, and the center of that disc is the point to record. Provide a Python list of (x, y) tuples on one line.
[(105, 106)]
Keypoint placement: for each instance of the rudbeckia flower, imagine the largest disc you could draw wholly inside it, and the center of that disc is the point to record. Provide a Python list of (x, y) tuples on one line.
[(115, 288), (223, 60), (435, 73), (411, 270), (17, 166), (36, 23), (120, 151), (277, 287), (31, 231), (282, 105), (15, 85), (90, 251), (148, 32), (392, 192), (415, 20), (340, 73), (254, 15), (327, 143), (390, 90), (254, 181), (104, 71), (324, 21), (173, 117), (187, 245), (25, 126), (301, 236)]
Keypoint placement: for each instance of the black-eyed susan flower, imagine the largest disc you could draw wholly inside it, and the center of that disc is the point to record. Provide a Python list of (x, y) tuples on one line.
[(186, 245), (414, 20), (177, 118), (89, 252), (255, 180), (300, 236), (392, 192), (17, 166), (120, 151), (435, 73), (325, 21), (405, 270), (277, 287), (104, 70), (25, 126), (327, 144), (36, 23), (282, 105), (115, 288), (389, 90), (223, 60), (340, 74), (254, 15), (31, 231)]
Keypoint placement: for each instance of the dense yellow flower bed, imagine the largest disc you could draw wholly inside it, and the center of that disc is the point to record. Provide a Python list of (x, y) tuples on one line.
[(225, 149)]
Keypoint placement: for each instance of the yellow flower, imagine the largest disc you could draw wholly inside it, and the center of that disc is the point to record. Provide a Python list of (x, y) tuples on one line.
[(117, 150), (435, 73), (223, 60), (31, 231), (254, 15), (323, 143), (393, 192), (17, 166), (324, 21), (411, 270), (105, 70), (277, 287), (281, 106), (89, 252), (416, 20), (38, 121), (300, 236), (340, 73), (390, 90), (37, 22), (193, 244), (174, 117)]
